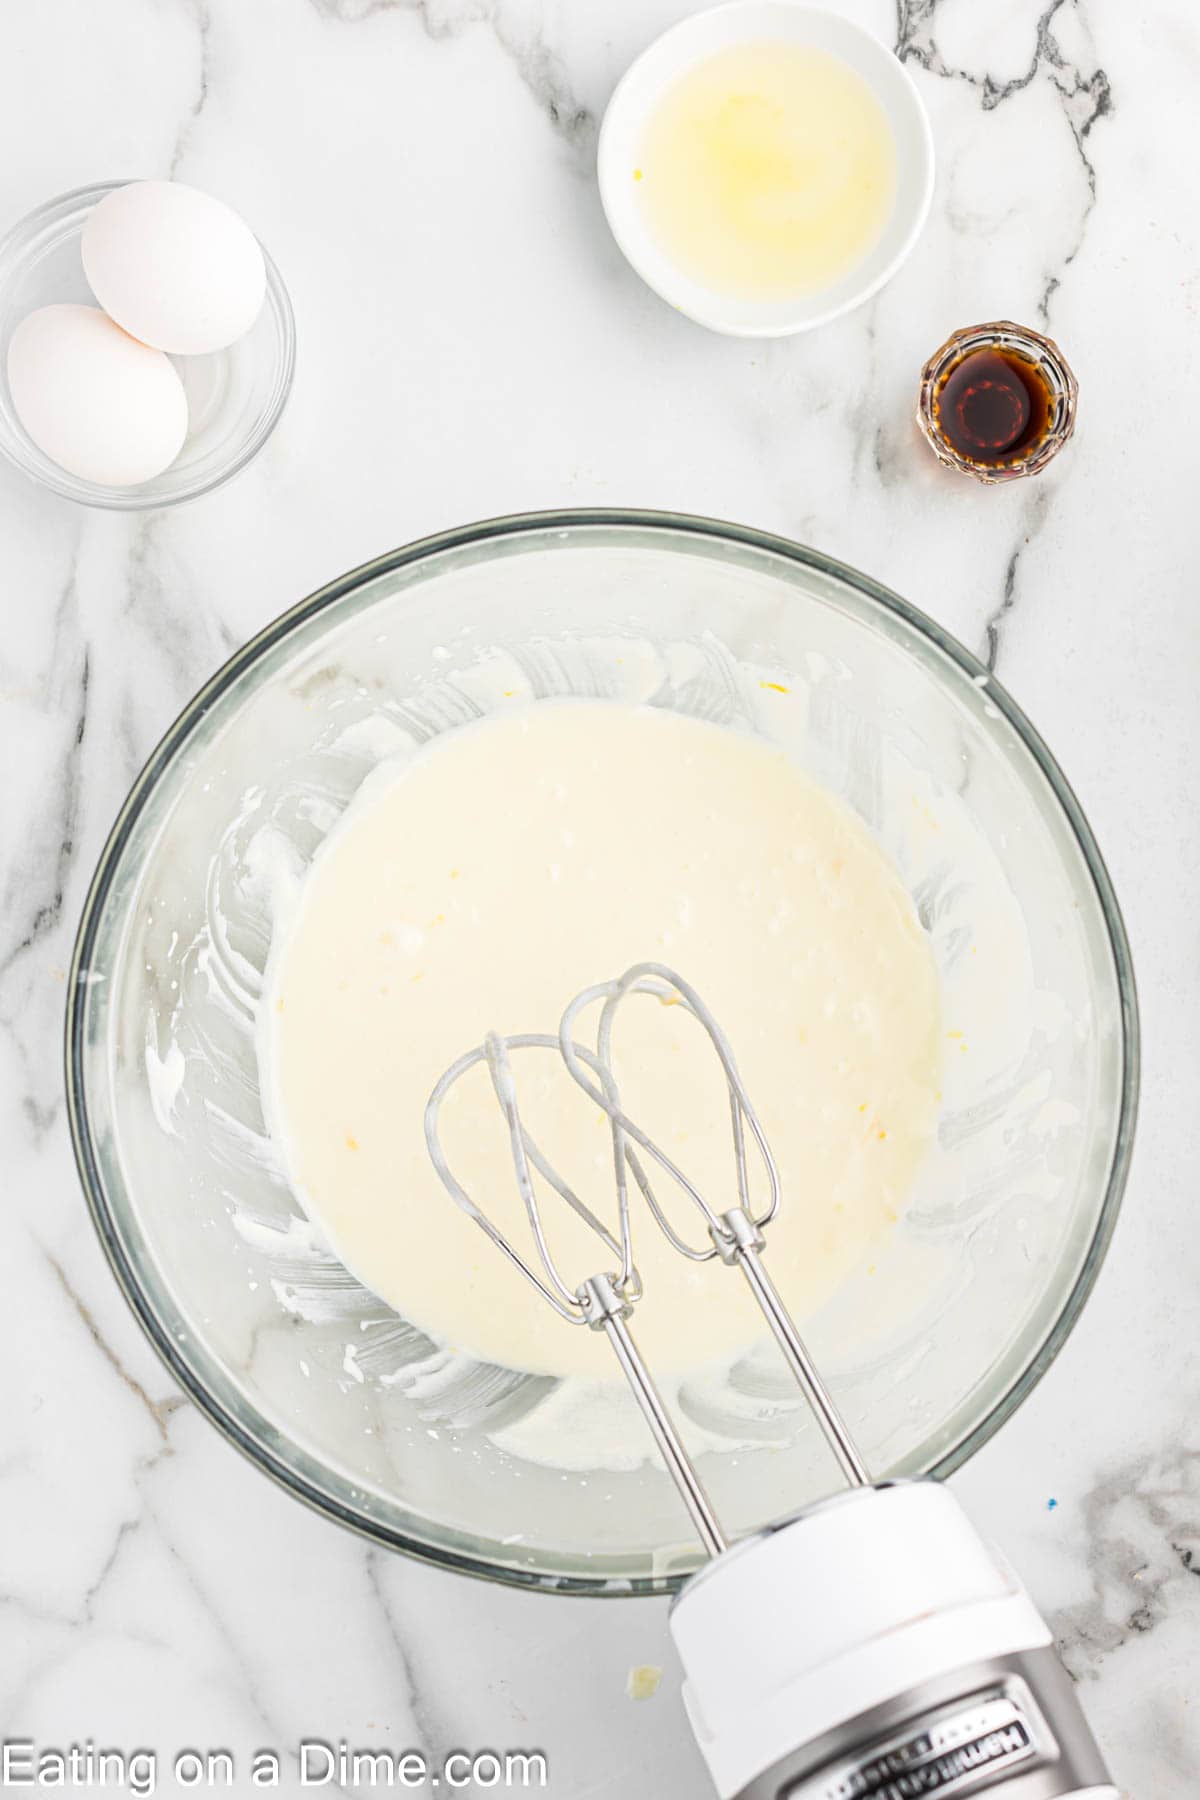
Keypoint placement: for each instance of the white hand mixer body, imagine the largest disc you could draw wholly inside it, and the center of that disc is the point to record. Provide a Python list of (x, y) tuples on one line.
[(870, 1648)]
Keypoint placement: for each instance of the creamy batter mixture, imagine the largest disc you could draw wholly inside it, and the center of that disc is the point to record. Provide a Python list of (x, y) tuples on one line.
[(478, 886)]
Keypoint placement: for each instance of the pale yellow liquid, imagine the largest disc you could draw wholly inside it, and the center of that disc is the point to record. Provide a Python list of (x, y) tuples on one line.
[(503, 869), (768, 170)]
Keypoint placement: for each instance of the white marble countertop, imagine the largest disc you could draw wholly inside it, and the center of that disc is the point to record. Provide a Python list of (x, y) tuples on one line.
[(471, 343)]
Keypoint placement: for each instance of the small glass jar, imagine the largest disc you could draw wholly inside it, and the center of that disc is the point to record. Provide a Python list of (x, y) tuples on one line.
[(997, 401)]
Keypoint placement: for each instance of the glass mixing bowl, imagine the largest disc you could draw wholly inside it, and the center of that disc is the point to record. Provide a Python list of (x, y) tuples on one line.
[(346, 1404)]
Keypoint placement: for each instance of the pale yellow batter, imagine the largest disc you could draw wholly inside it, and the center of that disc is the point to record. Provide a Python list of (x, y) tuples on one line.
[(479, 887)]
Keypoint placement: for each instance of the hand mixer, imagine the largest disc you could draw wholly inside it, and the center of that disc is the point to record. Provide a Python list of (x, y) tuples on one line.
[(871, 1647)]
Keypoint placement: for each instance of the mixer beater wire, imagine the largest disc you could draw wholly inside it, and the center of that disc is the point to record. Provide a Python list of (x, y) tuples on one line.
[(605, 1300)]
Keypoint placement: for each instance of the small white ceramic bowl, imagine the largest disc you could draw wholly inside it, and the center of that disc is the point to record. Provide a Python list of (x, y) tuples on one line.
[(694, 40)]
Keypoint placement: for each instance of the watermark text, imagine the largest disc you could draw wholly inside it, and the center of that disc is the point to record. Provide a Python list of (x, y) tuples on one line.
[(312, 1763)]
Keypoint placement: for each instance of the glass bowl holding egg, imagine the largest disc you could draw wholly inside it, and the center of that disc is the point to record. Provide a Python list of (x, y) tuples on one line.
[(446, 1434), (97, 413)]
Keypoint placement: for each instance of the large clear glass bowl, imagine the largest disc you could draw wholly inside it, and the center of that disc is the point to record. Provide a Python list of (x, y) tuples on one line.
[(347, 1405)]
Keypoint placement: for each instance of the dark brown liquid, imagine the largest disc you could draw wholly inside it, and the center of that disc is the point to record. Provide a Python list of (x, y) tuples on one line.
[(994, 407)]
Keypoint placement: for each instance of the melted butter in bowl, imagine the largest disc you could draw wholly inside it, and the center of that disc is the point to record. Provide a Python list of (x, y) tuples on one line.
[(765, 166), (482, 882), (768, 170)]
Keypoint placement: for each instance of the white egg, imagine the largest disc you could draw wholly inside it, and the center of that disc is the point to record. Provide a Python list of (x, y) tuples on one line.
[(102, 406), (175, 267)]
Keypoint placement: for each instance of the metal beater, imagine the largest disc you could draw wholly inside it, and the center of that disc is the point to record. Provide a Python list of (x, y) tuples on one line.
[(922, 1666)]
